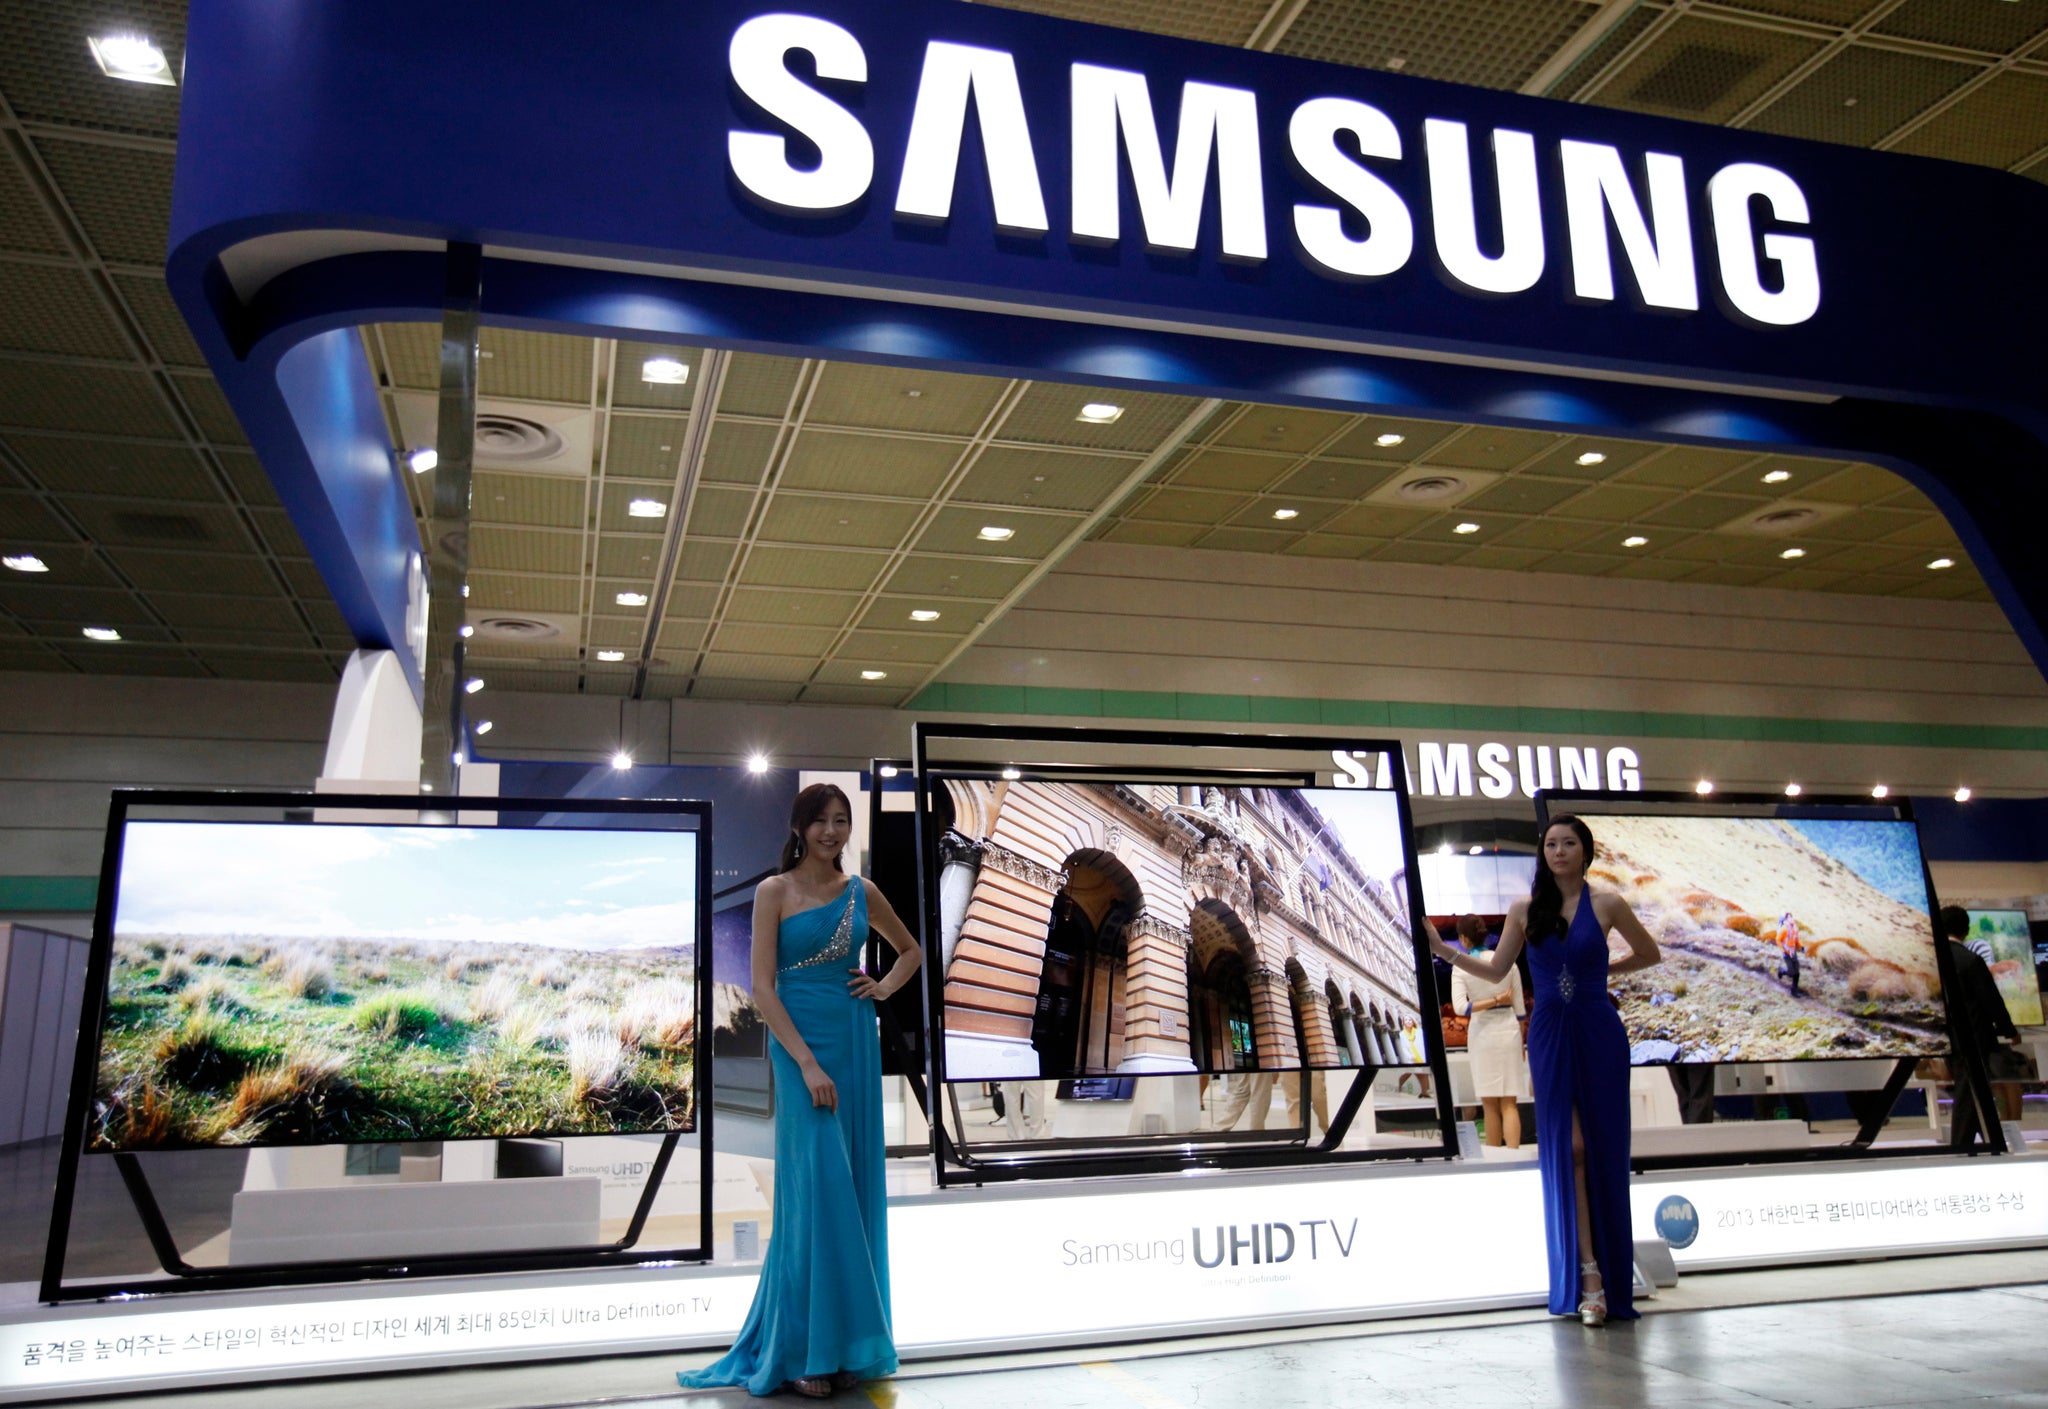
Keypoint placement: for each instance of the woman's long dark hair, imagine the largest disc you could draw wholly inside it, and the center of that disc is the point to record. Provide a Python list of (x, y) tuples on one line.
[(809, 806), (1546, 901)]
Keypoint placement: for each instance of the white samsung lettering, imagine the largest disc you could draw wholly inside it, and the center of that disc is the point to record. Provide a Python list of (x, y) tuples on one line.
[(1622, 774), (1390, 238), (1353, 768), (1455, 211), (1729, 196), (1213, 120), (1494, 779), (1578, 768), (1659, 252), (931, 158), (1446, 770), (760, 160)]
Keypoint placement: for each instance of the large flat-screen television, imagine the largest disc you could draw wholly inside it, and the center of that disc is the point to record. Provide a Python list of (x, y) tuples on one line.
[(1099, 924), (1789, 932), (2004, 940), (287, 982)]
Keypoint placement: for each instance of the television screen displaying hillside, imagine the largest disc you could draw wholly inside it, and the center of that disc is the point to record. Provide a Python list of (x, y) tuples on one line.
[(274, 983), (1785, 937), (2004, 940)]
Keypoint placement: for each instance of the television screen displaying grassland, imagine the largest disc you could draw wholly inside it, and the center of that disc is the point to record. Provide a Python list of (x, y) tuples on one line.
[(275, 984), (1784, 938)]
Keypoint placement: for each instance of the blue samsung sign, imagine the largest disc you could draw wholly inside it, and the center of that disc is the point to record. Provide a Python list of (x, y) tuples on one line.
[(975, 188)]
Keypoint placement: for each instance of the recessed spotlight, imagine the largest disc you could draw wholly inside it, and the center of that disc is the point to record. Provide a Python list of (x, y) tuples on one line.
[(101, 633), (1777, 476), (1011, 775), (1592, 457), (1285, 514), (996, 533), (664, 371), (622, 760), (481, 727), (1444, 850), (1466, 528), (1390, 439), (924, 614), (1939, 563), (646, 509), (132, 57), (1880, 791), (1793, 553), (1793, 790), (874, 675), (25, 562), (472, 685), (1703, 787), (465, 631), (465, 591), (1475, 851), (423, 460), (889, 770), (1962, 794), (631, 599), (1099, 413), (611, 655), (1634, 540), (757, 763)]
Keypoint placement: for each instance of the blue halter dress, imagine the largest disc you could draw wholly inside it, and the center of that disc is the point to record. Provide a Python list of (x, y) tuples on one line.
[(1578, 1060), (823, 1301)]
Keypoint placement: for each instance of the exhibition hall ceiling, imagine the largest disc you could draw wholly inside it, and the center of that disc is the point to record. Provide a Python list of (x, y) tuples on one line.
[(833, 501)]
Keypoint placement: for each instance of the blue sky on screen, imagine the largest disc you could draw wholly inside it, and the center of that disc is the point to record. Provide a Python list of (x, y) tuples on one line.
[(568, 889), (1368, 821)]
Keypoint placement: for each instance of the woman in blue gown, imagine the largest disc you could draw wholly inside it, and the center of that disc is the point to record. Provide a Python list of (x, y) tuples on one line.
[(820, 1318), (1578, 1062)]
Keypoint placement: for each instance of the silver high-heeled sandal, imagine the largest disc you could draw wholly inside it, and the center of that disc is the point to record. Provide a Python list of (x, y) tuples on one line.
[(1592, 1305)]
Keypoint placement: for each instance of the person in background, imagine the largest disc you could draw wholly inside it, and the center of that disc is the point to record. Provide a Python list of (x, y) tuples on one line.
[(1494, 1008), (1980, 1023), (1788, 950)]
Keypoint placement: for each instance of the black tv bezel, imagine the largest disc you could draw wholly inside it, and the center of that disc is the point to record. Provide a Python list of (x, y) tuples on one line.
[(92, 1012), (1169, 1153)]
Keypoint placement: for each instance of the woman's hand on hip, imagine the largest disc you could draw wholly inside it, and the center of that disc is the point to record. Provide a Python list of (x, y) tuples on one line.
[(823, 1092), (863, 985)]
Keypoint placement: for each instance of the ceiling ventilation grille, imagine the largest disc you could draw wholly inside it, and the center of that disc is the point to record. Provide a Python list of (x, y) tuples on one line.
[(1695, 78), (161, 528)]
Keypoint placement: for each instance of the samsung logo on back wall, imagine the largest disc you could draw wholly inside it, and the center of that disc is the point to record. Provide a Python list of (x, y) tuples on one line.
[(1483, 193), (1494, 770)]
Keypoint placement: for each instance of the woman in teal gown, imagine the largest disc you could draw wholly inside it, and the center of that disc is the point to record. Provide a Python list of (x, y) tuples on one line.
[(820, 1318), (1578, 1065)]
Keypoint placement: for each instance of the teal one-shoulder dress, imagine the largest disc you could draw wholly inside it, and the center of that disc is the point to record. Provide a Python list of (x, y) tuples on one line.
[(823, 1302)]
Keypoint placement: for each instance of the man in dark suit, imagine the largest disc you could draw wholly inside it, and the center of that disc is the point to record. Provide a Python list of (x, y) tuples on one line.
[(1978, 1019)]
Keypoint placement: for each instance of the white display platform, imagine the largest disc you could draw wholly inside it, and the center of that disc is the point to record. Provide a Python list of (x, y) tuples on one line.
[(1061, 1264)]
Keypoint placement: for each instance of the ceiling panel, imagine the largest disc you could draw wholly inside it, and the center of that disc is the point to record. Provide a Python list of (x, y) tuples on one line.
[(1997, 125), (958, 530), (58, 396), (1707, 70), (759, 385), (1861, 94), (54, 310), (842, 520), (903, 399), (149, 299), (738, 452), (24, 223), (770, 565), (497, 591), (649, 446), (121, 196), (922, 573), (1464, 41), (842, 462), (1997, 28), (1042, 479), (788, 608), (631, 387), (525, 366), (1491, 448), (75, 465), (1047, 414), (495, 548)]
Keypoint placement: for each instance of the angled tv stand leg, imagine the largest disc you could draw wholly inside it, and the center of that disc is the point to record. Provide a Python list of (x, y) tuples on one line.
[(152, 1215), (1347, 1109), (648, 1192)]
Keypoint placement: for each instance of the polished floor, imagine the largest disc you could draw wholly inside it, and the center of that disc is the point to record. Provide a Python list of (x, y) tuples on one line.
[(1950, 1331)]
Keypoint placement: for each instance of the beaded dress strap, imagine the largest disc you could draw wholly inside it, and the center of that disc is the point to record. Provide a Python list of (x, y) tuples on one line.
[(841, 943)]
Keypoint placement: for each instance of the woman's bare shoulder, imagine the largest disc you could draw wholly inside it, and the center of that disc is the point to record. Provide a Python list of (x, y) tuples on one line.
[(771, 890), (1519, 909)]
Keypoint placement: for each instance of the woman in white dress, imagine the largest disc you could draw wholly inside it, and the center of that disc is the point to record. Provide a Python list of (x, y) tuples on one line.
[(1494, 1038)]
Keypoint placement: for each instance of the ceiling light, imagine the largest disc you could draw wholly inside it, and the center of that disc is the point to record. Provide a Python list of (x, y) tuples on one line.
[(758, 763), (1939, 563), (465, 631), (1011, 775), (132, 57), (1777, 476), (1466, 528), (25, 562), (664, 371), (996, 533), (874, 675), (482, 727), (1962, 794), (1793, 553), (631, 599), (924, 614), (101, 633), (611, 655), (1444, 850), (1390, 439), (1793, 790), (622, 759), (1099, 413), (1475, 850), (1634, 540), (889, 770), (646, 509), (465, 590), (1592, 457), (1880, 791), (423, 460), (1703, 787), (1284, 514), (472, 685)]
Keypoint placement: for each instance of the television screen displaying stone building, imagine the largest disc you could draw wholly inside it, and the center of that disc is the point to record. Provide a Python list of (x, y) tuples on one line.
[(1095, 928)]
